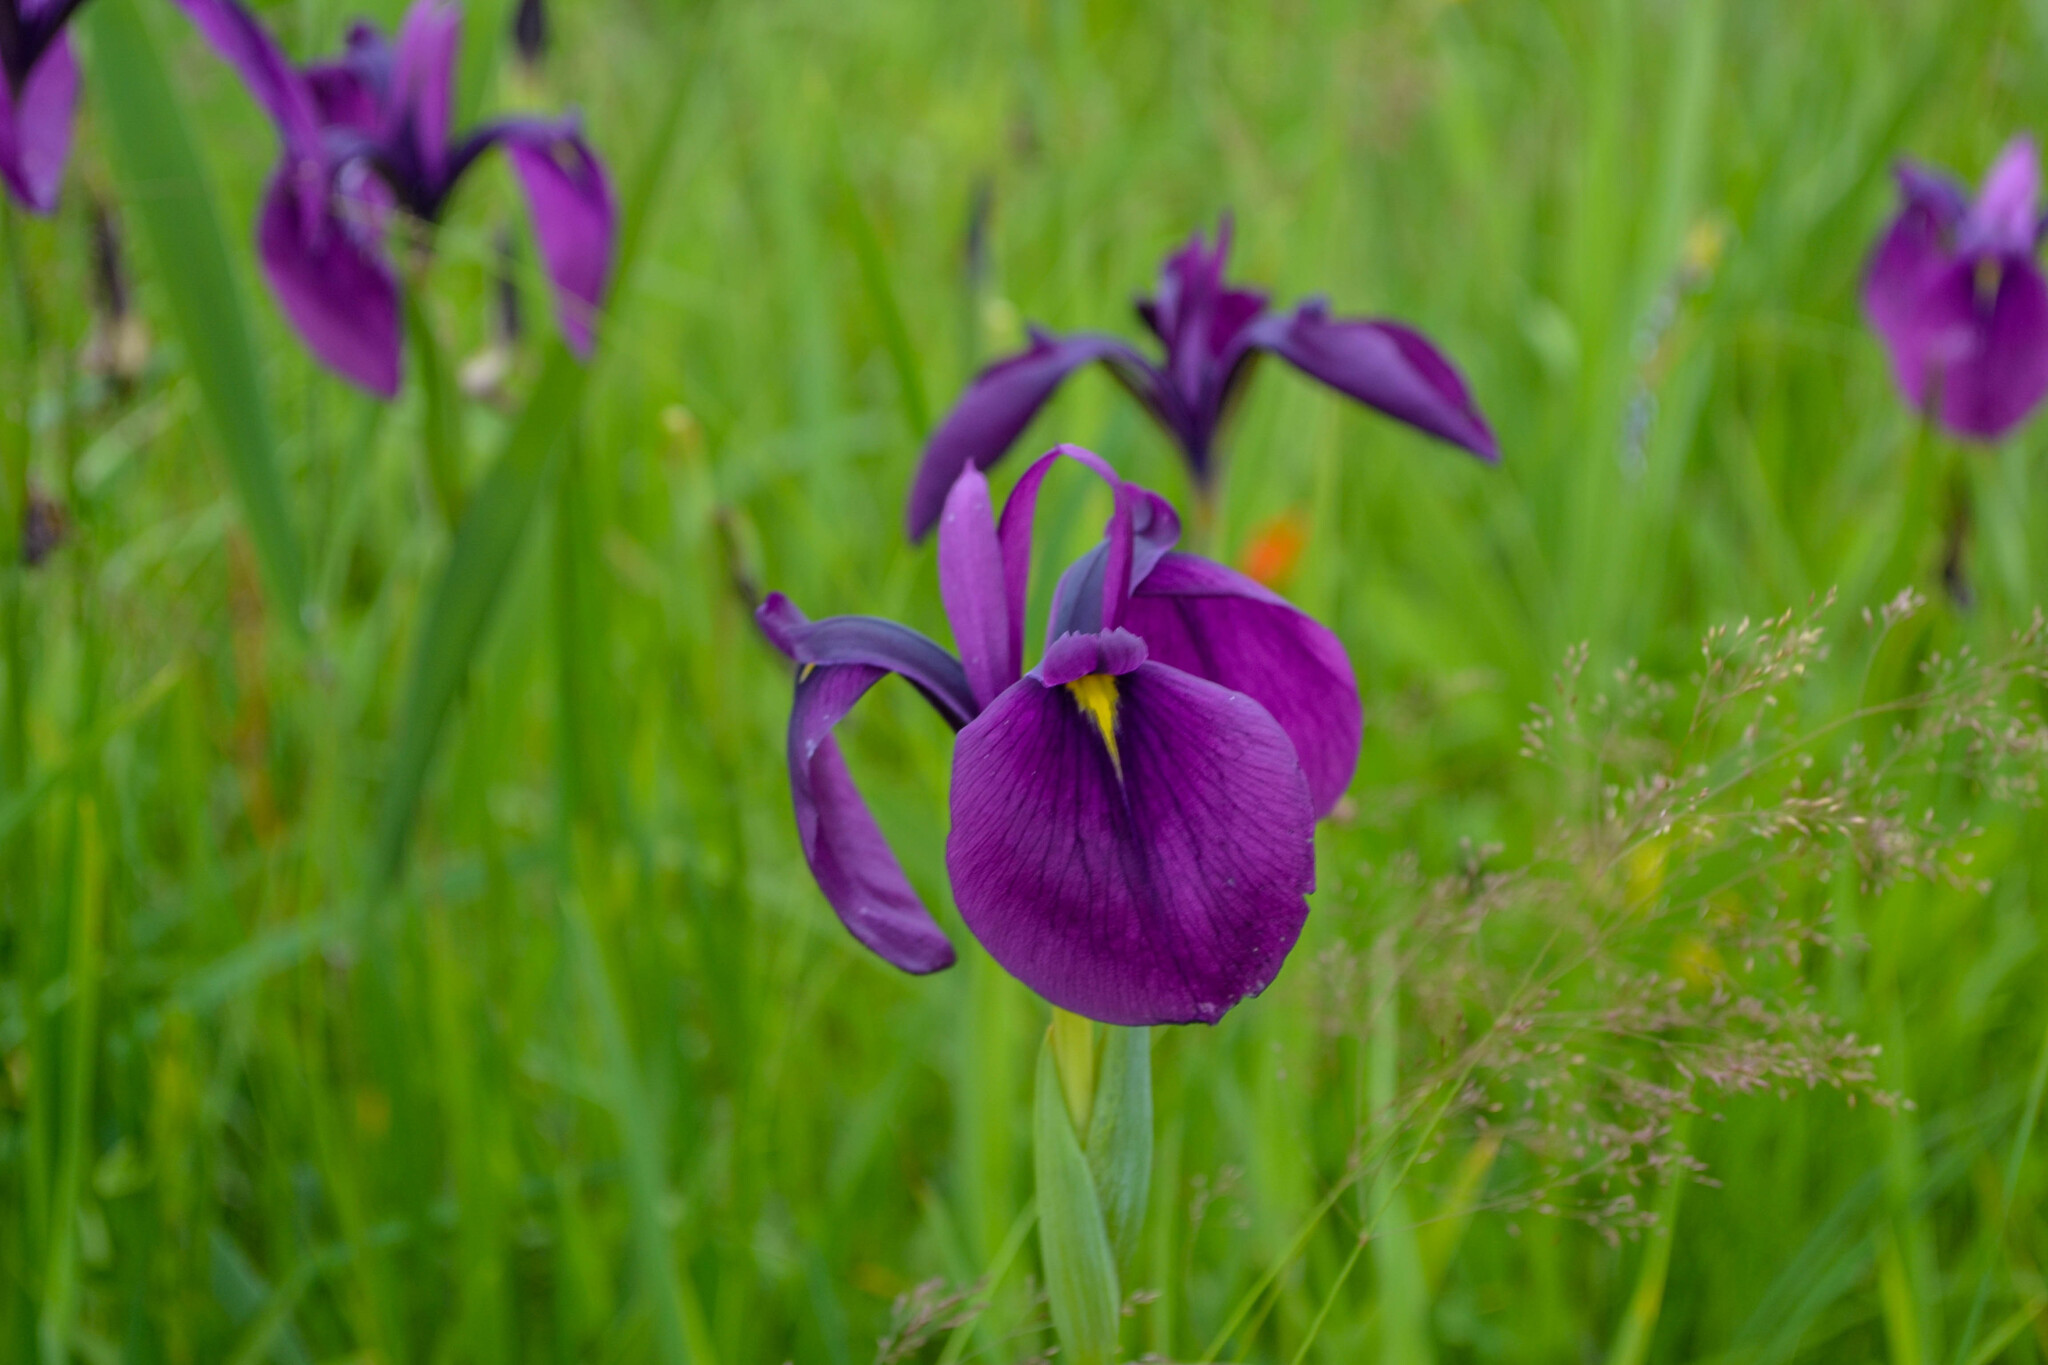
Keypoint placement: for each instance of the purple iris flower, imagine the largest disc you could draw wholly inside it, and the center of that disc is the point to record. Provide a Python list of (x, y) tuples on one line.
[(38, 95), (1133, 820), (1957, 294), (367, 134), (1211, 333)]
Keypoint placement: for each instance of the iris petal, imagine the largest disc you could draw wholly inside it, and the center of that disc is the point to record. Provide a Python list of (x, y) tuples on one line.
[(1383, 365), (428, 42), (1217, 624), (996, 408), (35, 130), (330, 277), (971, 584), (575, 218), (1157, 884), (248, 47), (2001, 376)]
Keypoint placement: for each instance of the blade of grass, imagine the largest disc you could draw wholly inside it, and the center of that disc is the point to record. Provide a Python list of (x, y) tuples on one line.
[(488, 539), (166, 186)]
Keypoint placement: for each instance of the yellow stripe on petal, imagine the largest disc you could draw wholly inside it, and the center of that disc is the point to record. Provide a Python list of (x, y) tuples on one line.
[(1096, 696)]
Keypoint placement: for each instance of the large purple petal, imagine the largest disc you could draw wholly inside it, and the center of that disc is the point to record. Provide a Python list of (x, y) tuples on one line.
[(328, 271), (1383, 365), (845, 848), (248, 47), (35, 131), (971, 584), (875, 643), (996, 408), (1159, 881), (839, 659), (1914, 252), (2002, 374), (1215, 623), (428, 42), (575, 220)]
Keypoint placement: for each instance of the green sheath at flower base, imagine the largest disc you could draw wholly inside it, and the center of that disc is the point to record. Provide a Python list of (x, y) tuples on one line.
[(1080, 1269), (1120, 1136)]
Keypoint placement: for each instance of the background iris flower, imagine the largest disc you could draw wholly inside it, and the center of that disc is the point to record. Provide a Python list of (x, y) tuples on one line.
[(1211, 333), (1957, 294), (1133, 819), (368, 133), (38, 96)]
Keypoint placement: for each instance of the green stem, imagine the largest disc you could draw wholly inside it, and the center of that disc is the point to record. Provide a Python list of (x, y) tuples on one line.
[(443, 417)]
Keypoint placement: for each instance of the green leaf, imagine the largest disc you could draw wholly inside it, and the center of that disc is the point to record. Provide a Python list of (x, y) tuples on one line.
[(488, 540), (1080, 1270), (442, 412), (1120, 1136), (165, 187)]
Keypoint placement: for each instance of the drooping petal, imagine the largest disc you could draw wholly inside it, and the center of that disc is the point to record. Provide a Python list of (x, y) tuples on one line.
[(328, 271), (1134, 846), (569, 198), (424, 73), (1215, 623), (996, 408), (248, 47), (873, 642), (840, 658), (1382, 364), (848, 855), (1913, 254), (35, 130), (1987, 349), (971, 585)]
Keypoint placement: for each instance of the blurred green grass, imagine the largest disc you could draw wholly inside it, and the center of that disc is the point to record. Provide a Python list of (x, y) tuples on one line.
[(602, 1079)]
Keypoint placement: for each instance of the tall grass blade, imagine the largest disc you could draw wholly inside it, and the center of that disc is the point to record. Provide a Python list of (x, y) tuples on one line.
[(1080, 1269), (166, 186)]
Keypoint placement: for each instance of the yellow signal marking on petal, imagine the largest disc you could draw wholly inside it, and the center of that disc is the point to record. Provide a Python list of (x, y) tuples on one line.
[(805, 672), (1096, 696)]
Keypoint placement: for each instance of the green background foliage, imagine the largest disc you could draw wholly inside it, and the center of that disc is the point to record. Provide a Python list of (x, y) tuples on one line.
[(567, 1060)]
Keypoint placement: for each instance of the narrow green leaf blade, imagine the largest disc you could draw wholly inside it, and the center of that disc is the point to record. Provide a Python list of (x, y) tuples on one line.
[(1120, 1136), (1080, 1270), (492, 530), (165, 186)]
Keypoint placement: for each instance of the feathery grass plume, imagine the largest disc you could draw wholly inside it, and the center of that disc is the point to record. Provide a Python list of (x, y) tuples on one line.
[(1667, 944)]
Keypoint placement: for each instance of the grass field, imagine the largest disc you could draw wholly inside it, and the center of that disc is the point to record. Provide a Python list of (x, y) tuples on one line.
[(569, 1061)]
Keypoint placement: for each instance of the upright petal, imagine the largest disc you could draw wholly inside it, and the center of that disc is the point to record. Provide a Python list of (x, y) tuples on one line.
[(1134, 845), (1914, 252), (971, 584), (840, 659), (1215, 623), (428, 42), (248, 47), (575, 220), (996, 408), (328, 271), (1142, 527), (35, 130), (354, 92), (1383, 365), (2007, 208)]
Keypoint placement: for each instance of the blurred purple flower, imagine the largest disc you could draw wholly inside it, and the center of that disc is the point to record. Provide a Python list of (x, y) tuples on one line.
[(1133, 819), (1957, 294), (368, 133), (1211, 334), (38, 96)]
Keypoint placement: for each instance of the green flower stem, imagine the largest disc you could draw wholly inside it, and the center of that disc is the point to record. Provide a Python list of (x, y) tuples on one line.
[(442, 420)]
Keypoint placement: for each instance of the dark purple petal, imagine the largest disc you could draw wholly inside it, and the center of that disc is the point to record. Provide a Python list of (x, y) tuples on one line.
[(328, 271), (1383, 365), (991, 643), (845, 848), (995, 409), (875, 643), (1987, 349), (1914, 253), (1215, 623), (424, 73), (569, 198), (2007, 207), (1142, 527), (355, 91), (35, 130), (248, 47), (1158, 881)]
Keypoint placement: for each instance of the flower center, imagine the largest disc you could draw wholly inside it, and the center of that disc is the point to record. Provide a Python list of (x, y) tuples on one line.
[(1095, 694)]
